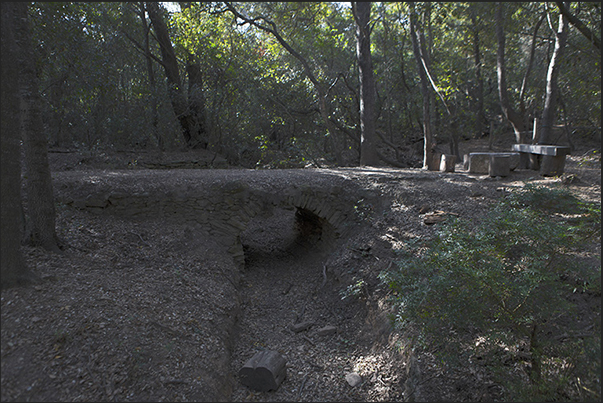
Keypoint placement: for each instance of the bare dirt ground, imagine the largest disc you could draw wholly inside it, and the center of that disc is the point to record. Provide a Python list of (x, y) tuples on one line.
[(145, 310)]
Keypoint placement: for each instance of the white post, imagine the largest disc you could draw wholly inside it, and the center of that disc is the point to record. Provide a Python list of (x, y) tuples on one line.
[(534, 131)]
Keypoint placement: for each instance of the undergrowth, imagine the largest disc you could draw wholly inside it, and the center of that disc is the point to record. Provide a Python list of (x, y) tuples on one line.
[(505, 293)]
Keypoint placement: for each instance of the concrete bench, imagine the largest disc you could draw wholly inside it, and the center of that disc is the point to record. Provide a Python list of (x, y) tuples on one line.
[(492, 163), (549, 159)]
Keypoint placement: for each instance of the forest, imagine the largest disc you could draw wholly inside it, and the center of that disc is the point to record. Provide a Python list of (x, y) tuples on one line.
[(277, 84), (185, 184)]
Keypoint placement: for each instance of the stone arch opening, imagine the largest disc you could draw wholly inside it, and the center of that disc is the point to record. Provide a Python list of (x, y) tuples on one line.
[(313, 229), (287, 232)]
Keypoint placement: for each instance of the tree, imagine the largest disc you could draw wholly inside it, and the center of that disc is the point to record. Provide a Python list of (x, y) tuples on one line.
[(261, 104), (14, 271), (41, 228), (190, 115), (479, 113), (552, 90), (428, 144), (524, 82), (510, 114), (92, 81), (196, 100), (362, 16), (139, 10), (319, 87)]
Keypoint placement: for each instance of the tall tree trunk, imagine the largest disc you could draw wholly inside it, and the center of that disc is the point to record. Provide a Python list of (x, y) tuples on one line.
[(186, 117), (428, 146), (424, 58), (510, 114), (552, 89), (426, 48), (196, 98), (151, 74), (196, 102), (40, 199), (524, 82), (480, 117), (13, 270), (368, 151)]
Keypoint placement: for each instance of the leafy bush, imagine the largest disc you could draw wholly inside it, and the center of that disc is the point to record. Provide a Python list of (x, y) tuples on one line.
[(500, 290)]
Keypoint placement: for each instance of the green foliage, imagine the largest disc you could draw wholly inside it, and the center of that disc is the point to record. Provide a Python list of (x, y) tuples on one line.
[(354, 290), (95, 82), (498, 288)]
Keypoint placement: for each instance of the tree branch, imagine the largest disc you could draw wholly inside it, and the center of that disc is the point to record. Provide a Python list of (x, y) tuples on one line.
[(579, 25), (531, 59), (272, 30), (141, 49)]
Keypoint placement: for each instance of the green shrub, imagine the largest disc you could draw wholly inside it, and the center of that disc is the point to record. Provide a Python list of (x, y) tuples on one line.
[(499, 290)]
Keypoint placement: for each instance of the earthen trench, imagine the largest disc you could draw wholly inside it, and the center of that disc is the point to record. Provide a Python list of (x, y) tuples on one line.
[(237, 217)]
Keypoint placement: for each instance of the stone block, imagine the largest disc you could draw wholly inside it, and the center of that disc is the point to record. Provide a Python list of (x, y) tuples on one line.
[(447, 163), (550, 150), (514, 160), (479, 162), (264, 371), (466, 162), (353, 379), (552, 165), (499, 165)]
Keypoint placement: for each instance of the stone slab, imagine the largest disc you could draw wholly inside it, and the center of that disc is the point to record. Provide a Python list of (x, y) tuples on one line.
[(550, 150)]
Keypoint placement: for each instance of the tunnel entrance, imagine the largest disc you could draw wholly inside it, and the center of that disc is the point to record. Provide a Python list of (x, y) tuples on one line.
[(287, 233)]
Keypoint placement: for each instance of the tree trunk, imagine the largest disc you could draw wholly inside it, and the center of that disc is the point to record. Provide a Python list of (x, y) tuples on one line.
[(424, 64), (196, 98), (510, 114), (479, 113), (368, 151), (41, 229), (552, 90), (524, 82), (14, 271), (428, 146), (190, 130), (151, 74), (196, 102)]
